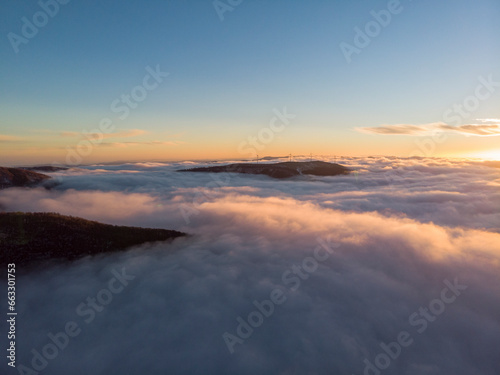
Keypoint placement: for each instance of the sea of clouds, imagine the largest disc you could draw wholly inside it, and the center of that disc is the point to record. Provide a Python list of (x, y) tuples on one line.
[(392, 269)]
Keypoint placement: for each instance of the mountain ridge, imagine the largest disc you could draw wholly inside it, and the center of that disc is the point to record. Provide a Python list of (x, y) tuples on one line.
[(29, 238), (19, 177), (278, 170)]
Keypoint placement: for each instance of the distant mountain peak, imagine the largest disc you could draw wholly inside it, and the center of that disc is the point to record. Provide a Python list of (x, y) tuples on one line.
[(18, 177), (278, 170)]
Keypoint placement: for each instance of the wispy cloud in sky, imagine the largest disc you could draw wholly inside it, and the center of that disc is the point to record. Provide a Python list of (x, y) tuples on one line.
[(487, 127), (399, 129), (152, 143), (119, 134), (9, 138)]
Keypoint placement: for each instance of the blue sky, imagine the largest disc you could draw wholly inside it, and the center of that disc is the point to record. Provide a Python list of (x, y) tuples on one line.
[(226, 77)]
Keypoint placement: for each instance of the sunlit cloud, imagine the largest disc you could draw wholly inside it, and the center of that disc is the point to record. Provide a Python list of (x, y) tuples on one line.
[(484, 130), (488, 127), (494, 120), (398, 240)]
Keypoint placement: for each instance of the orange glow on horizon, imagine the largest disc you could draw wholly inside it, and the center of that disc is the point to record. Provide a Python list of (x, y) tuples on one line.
[(487, 155)]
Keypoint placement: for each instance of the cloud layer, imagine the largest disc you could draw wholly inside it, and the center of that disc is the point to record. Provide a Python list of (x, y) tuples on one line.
[(397, 230)]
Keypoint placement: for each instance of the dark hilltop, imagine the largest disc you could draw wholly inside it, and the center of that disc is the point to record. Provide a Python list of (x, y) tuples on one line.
[(278, 170), (18, 177), (33, 238)]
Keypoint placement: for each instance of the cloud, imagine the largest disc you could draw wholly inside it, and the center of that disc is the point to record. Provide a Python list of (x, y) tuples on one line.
[(9, 138), (403, 226), (119, 134), (187, 294), (400, 129), (495, 120), (447, 192), (429, 129), (131, 144), (90, 204), (474, 129)]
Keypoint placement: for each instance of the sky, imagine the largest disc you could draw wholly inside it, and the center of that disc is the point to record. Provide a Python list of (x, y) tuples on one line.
[(185, 80)]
